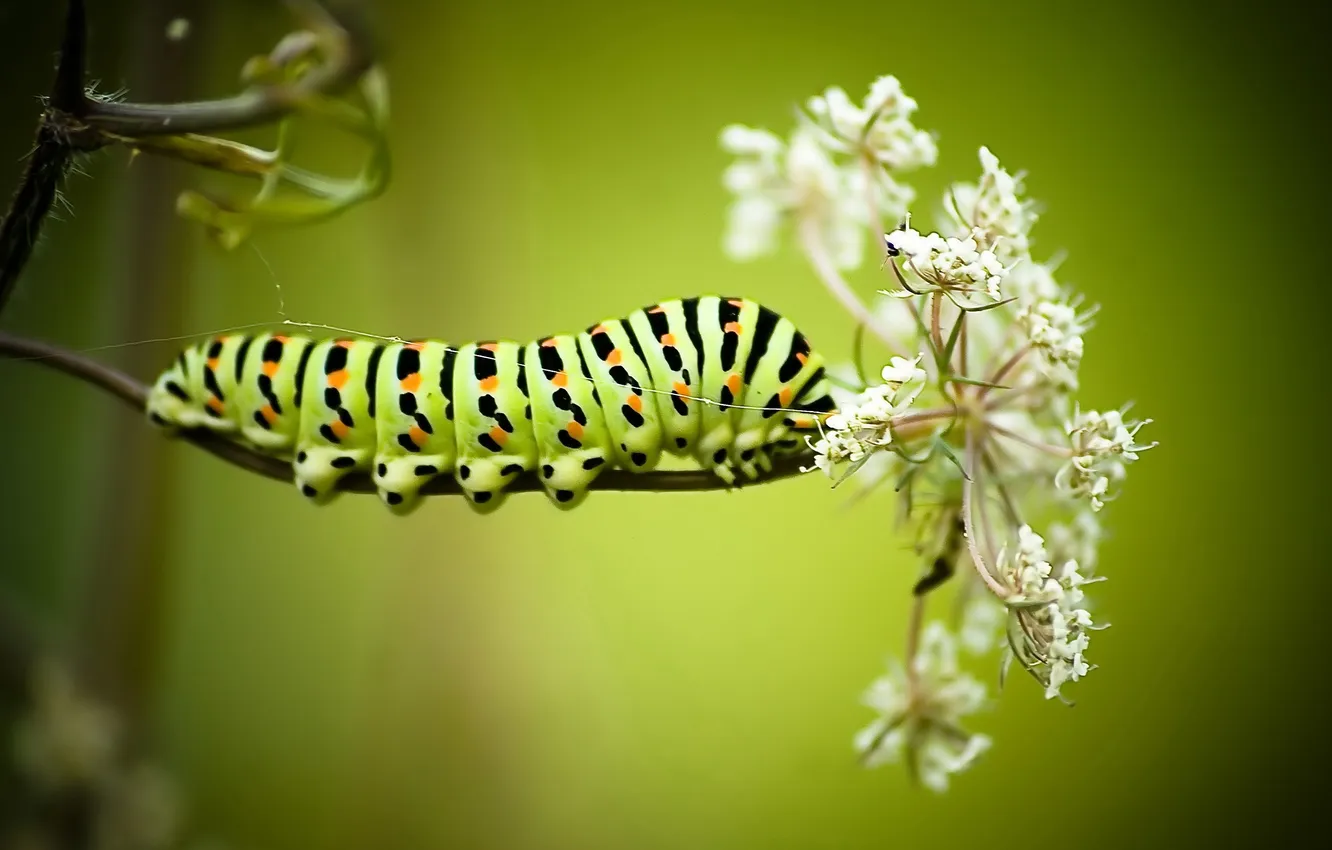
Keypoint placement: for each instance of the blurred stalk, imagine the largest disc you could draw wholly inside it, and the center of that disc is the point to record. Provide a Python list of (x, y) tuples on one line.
[(118, 640)]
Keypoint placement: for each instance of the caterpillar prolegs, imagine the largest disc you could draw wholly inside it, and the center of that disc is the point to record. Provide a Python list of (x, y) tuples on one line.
[(723, 380)]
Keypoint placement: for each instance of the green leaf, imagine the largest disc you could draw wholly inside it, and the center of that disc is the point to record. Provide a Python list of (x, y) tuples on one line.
[(958, 379), (947, 450)]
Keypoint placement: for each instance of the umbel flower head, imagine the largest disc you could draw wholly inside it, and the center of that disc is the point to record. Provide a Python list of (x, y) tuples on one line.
[(920, 714), (974, 421)]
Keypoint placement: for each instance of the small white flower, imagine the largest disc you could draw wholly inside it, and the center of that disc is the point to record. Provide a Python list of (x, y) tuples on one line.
[(1048, 623), (752, 230), (880, 129), (996, 208), (1103, 447), (1054, 329), (773, 180), (863, 424), (948, 263), (927, 724), (67, 739), (1077, 540), (748, 141)]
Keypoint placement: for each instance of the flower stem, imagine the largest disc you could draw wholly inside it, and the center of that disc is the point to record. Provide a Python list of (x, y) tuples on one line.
[(1003, 370), (837, 285), (1058, 451), (914, 625), (968, 484)]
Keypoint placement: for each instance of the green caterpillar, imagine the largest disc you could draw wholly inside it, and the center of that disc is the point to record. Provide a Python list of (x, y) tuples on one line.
[(723, 380)]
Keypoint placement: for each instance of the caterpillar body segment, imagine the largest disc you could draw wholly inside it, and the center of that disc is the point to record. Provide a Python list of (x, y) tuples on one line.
[(573, 441), (611, 351), (723, 380), (414, 420), (495, 438)]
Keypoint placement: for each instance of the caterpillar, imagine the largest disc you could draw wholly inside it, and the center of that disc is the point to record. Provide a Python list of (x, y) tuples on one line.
[(725, 381)]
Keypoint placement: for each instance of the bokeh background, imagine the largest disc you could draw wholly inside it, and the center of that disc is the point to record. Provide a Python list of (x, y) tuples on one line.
[(683, 670)]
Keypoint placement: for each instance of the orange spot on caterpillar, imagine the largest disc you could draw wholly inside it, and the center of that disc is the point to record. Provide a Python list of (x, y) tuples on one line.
[(668, 339), (733, 383), (735, 302), (211, 363), (416, 435), (635, 402), (414, 346), (733, 328), (657, 309), (549, 342), (683, 390), (488, 384), (269, 414), (412, 382), (803, 423), (339, 428), (499, 435), (560, 379), (784, 396), (282, 339), (215, 404), (575, 430), (615, 357), (488, 346), (270, 368), (803, 358), (339, 379), (599, 329)]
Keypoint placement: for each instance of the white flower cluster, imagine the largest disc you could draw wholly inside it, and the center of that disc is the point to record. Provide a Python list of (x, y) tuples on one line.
[(925, 716), (880, 129), (831, 176), (1048, 625), (68, 745), (984, 446), (995, 207), (66, 740), (1103, 447), (864, 424), (953, 264), (1054, 329)]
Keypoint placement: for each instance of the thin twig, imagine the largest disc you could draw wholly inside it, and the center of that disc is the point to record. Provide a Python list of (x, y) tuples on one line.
[(50, 158), (135, 394), (346, 41), (73, 122)]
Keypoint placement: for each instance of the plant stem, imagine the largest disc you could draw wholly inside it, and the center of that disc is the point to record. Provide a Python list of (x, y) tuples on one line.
[(1003, 370), (837, 285), (968, 485), (915, 623)]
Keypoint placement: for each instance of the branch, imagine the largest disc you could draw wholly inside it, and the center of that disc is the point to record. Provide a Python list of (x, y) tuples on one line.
[(50, 157), (336, 41), (345, 40), (135, 394)]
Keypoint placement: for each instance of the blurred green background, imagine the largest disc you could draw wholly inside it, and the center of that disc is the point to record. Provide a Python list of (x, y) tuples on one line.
[(339, 678)]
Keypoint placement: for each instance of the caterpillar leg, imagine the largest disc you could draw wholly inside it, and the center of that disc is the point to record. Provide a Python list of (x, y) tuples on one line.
[(400, 479), (567, 477), (318, 469)]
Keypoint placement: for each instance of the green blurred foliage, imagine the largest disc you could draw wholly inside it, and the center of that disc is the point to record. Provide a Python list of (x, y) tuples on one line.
[(672, 670)]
